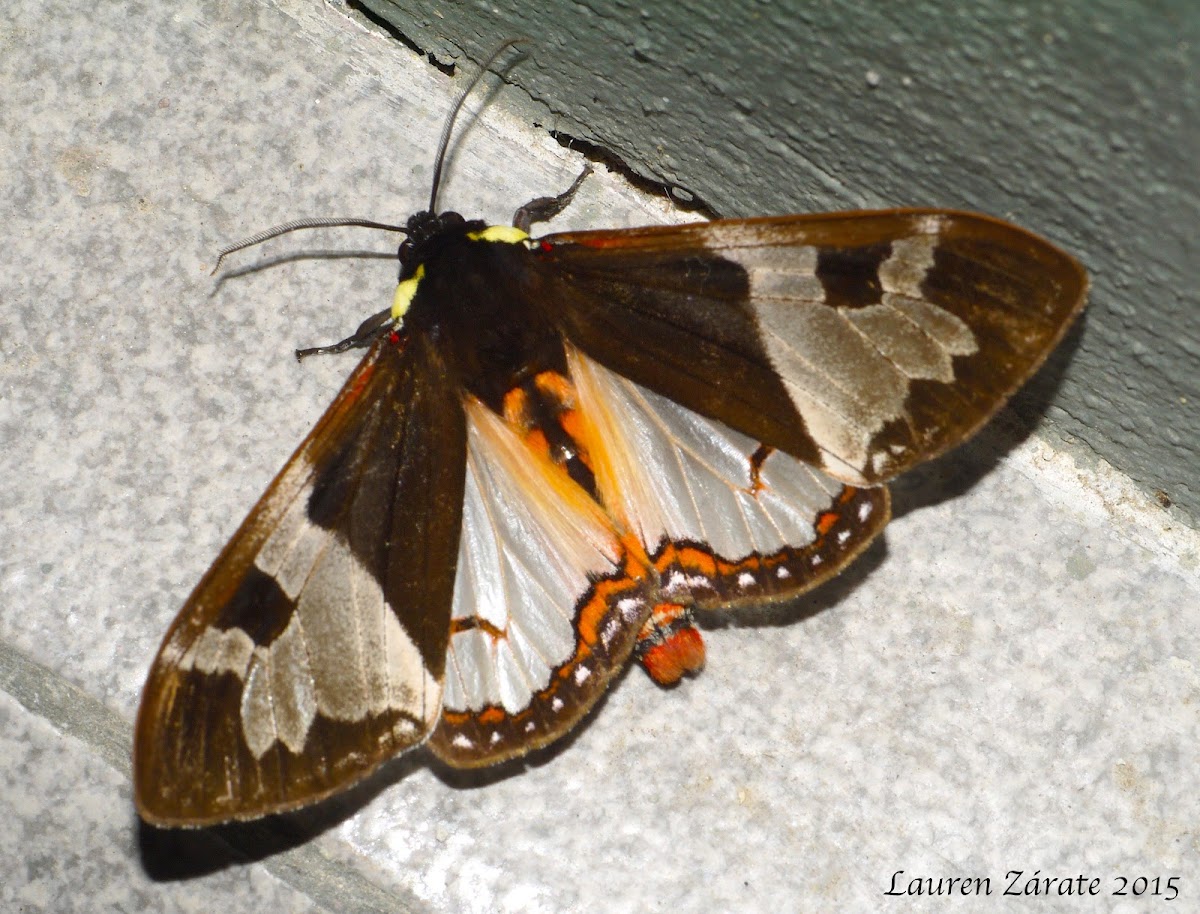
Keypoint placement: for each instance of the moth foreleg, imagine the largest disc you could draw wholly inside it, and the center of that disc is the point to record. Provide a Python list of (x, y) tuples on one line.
[(544, 209)]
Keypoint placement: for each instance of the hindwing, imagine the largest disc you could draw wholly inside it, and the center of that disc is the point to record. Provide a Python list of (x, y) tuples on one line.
[(549, 599), (725, 520)]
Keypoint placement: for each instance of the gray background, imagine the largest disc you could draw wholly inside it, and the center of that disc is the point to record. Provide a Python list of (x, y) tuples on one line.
[(1079, 119), (1007, 680)]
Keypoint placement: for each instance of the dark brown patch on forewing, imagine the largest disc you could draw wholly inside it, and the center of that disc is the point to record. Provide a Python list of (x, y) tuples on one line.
[(258, 607), (675, 318), (850, 275)]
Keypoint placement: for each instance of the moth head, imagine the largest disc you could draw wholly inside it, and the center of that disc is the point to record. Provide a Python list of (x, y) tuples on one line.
[(422, 231)]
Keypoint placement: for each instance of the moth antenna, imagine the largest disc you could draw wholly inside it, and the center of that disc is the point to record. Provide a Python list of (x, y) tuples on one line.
[(444, 143), (296, 225)]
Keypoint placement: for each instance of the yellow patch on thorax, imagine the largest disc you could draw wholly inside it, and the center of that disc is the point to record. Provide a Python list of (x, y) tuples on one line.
[(507, 234), (404, 294)]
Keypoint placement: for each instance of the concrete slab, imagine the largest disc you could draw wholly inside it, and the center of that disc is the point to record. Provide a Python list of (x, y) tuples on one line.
[(1008, 682)]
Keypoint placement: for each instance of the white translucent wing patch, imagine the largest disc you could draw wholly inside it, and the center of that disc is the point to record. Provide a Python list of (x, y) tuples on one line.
[(671, 474), (848, 370), (531, 542)]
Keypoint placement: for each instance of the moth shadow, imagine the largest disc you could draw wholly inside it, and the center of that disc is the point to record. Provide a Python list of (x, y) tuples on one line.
[(177, 854)]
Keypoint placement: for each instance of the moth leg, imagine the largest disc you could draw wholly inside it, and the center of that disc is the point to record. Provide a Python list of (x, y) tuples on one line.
[(544, 209), (368, 331), (669, 646)]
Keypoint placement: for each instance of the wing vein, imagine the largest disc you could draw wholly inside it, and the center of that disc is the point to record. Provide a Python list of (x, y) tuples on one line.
[(818, 369), (679, 449)]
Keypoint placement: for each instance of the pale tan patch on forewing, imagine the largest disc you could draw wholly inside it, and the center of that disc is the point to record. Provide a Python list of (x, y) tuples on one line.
[(289, 553), (903, 271), (944, 328), (278, 701), (344, 653), (849, 370), (217, 651), (780, 272), (919, 338), (842, 385)]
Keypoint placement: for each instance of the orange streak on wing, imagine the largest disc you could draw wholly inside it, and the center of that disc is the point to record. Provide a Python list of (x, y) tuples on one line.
[(826, 521), (536, 440), (492, 715), (516, 408), (573, 424), (697, 560), (361, 380)]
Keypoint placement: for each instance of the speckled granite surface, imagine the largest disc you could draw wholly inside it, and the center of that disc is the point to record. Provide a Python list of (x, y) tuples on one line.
[(70, 843), (1007, 682)]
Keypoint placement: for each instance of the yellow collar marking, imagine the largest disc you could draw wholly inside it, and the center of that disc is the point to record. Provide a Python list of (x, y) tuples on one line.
[(405, 291), (508, 234), (404, 294)]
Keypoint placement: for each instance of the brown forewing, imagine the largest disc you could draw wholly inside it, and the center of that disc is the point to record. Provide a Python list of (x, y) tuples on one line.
[(383, 472), (661, 307)]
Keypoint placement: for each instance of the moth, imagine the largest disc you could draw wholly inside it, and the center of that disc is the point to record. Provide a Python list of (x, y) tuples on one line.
[(554, 451)]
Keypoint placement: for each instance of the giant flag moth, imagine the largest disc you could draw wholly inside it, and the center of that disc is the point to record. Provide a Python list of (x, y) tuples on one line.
[(554, 451)]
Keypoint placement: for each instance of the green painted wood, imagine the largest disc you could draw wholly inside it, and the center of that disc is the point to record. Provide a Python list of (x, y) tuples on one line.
[(1076, 118)]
